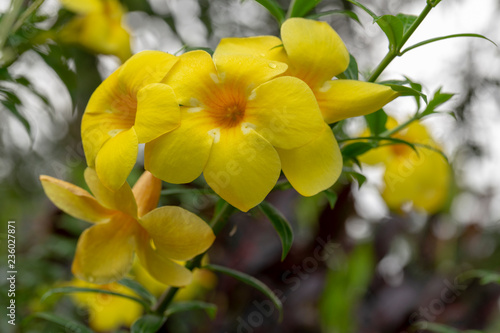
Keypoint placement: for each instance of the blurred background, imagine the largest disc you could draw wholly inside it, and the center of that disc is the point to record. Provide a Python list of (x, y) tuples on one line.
[(370, 264)]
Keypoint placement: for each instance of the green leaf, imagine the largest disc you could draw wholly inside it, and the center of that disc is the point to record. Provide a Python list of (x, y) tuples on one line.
[(139, 290), (484, 276), (351, 73), (209, 308), (407, 21), (363, 7), (361, 179), (393, 29), (299, 8), (251, 281), (67, 290), (438, 99), (148, 324), (274, 8), (67, 324), (281, 226), (356, 149), (432, 40), (349, 13), (376, 122), (438, 328), (331, 196), (404, 90)]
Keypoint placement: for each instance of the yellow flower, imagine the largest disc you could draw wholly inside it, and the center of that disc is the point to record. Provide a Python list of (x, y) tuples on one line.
[(236, 115), (107, 312), (98, 27), (423, 178), (203, 281), (127, 221), (315, 54), (128, 108)]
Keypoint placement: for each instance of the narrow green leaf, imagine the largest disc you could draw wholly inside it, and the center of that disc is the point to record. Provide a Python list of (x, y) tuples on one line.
[(361, 179), (432, 40), (299, 8), (438, 99), (376, 122), (274, 8), (68, 324), (484, 276), (209, 308), (139, 290), (356, 149), (67, 290), (404, 90), (251, 281), (331, 196), (147, 324), (363, 7), (281, 226), (349, 13)]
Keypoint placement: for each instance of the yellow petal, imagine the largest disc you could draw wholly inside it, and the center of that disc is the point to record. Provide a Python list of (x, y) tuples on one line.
[(144, 68), (242, 168), (315, 51), (116, 159), (177, 233), (147, 193), (269, 47), (157, 112), (162, 269), (82, 7), (341, 99), (193, 78), (181, 155), (285, 112), (74, 200), (314, 167), (108, 112), (243, 72), (423, 179), (121, 199), (105, 251)]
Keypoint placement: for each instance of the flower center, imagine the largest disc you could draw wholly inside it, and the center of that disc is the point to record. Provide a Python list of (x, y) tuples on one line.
[(228, 109)]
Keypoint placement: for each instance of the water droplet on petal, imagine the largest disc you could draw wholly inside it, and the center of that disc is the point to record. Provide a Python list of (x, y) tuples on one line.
[(272, 65)]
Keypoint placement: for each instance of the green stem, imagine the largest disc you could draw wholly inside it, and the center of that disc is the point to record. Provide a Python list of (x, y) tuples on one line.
[(8, 20), (393, 53), (217, 223), (34, 6), (399, 127)]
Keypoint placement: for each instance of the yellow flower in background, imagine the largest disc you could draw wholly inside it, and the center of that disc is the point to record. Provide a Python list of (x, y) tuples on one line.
[(235, 116), (128, 108), (107, 312), (98, 27), (315, 54), (127, 221), (422, 179), (203, 281)]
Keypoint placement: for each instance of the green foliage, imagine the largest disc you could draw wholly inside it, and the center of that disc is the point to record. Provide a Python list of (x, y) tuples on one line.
[(274, 8), (346, 282), (300, 8), (331, 196), (399, 86), (280, 224), (148, 324), (68, 290), (67, 324), (436, 39), (376, 122), (209, 308), (348, 13), (352, 72), (439, 328), (438, 99), (251, 281), (139, 290)]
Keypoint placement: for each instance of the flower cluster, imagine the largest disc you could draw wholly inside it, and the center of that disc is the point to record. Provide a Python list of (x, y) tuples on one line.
[(421, 177), (258, 106)]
